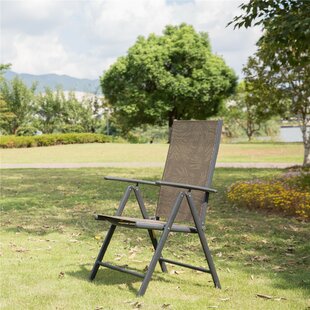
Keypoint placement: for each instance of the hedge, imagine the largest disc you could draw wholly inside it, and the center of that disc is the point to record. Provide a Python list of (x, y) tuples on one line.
[(287, 195), (52, 139)]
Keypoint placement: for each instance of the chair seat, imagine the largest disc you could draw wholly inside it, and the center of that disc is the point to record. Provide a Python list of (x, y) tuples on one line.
[(144, 223)]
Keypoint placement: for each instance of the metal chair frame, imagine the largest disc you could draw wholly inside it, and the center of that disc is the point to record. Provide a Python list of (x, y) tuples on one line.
[(166, 227)]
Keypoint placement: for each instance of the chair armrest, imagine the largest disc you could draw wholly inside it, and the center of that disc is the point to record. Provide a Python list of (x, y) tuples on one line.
[(130, 180), (188, 186)]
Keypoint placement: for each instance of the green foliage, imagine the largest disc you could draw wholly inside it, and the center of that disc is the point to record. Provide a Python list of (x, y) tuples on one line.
[(270, 128), (248, 110), (289, 195), (60, 113), (285, 92), (51, 139), (19, 102), (285, 41), (282, 67), (148, 134), (4, 67), (173, 76), (6, 116), (50, 112), (71, 128), (50, 109), (26, 131)]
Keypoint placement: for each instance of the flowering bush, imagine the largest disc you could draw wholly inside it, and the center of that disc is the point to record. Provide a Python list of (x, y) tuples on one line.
[(288, 195)]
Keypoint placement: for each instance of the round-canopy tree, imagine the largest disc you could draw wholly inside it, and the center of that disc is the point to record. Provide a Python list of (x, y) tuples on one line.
[(162, 78)]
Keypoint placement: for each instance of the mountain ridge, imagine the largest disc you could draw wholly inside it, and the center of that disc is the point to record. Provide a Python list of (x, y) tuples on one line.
[(53, 80)]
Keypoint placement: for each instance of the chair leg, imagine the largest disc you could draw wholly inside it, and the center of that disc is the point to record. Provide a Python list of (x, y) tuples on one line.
[(151, 232), (204, 244), (155, 245), (160, 245), (109, 234), (153, 262), (102, 252), (203, 241)]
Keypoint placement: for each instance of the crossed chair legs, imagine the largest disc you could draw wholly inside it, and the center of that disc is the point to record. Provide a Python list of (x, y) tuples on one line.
[(158, 246)]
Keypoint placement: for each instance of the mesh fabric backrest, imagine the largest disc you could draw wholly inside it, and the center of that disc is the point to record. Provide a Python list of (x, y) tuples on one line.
[(191, 159)]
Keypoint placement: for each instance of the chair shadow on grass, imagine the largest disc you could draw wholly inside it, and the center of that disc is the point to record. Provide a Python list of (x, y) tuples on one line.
[(114, 278), (111, 277)]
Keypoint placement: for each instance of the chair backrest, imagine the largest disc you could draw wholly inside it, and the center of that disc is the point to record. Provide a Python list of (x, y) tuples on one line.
[(191, 160)]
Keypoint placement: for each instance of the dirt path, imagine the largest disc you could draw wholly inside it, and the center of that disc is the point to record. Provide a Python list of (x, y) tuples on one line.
[(136, 165)]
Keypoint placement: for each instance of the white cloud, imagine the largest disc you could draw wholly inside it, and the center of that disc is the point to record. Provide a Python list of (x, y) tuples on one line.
[(33, 16), (39, 53), (82, 38)]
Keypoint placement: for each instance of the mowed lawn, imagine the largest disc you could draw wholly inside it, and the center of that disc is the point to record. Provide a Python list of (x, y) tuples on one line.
[(49, 241), (154, 153)]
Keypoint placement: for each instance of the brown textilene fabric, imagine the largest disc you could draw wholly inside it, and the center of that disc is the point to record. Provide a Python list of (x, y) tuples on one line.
[(191, 151)]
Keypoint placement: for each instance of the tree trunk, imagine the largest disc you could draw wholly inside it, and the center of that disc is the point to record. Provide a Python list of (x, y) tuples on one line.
[(306, 162), (14, 129), (172, 117), (306, 141)]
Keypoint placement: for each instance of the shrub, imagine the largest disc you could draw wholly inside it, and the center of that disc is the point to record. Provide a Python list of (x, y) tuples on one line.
[(17, 141), (288, 195), (26, 131), (71, 128), (52, 139), (46, 140), (148, 134)]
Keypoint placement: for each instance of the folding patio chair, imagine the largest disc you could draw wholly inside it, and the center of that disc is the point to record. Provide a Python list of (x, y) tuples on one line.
[(183, 196)]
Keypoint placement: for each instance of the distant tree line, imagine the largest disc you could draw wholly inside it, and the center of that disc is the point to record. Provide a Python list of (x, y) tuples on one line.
[(24, 112)]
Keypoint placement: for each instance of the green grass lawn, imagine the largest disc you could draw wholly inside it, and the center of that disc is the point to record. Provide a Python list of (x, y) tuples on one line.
[(141, 153), (49, 242)]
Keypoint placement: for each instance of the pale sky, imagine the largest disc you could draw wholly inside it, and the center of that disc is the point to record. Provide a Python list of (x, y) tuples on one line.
[(83, 38)]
